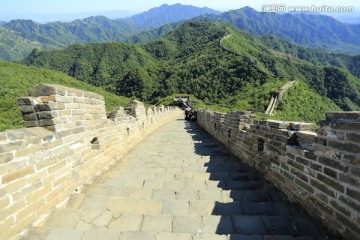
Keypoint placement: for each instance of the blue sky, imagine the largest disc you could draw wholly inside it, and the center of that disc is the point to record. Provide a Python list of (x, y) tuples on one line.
[(33, 9)]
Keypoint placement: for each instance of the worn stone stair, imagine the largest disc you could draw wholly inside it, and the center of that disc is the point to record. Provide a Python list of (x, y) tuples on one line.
[(178, 184)]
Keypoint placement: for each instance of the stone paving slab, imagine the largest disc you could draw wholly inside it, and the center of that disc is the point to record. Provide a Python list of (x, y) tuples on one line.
[(157, 223), (124, 222), (178, 184)]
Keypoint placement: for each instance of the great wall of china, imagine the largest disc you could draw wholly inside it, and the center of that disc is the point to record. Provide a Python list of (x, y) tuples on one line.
[(70, 139), (320, 170)]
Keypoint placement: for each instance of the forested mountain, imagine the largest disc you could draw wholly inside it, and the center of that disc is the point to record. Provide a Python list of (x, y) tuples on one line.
[(240, 74), (314, 31), (156, 17), (316, 56), (13, 46), (94, 29)]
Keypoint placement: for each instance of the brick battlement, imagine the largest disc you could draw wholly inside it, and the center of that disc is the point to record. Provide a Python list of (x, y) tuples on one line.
[(69, 140), (319, 169)]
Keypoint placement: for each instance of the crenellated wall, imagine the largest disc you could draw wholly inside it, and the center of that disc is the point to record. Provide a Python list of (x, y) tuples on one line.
[(320, 170), (69, 140)]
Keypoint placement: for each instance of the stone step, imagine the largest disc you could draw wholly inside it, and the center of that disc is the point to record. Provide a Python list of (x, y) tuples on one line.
[(41, 233), (182, 217)]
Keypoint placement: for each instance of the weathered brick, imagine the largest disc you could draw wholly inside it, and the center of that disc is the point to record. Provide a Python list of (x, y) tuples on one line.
[(316, 167), (348, 223), (291, 156), (278, 124), (355, 171), (30, 124), (329, 172), (6, 157), (56, 166), (39, 193), (322, 206), (304, 186), (11, 146), (26, 109), (300, 175), (307, 135), (311, 155), (351, 158), (321, 141), (28, 151), (46, 99), (300, 126), (289, 176), (349, 147), (44, 115), (4, 202), (355, 194), (18, 174), (303, 161), (46, 162), (322, 188), (24, 191), (281, 138), (347, 116), (349, 179), (353, 137), (355, 126), (56, 106), (42, 107), (285, 166), (30, 117), (296, 165), (24, 101), (45, 122), (339, 207), (334, 164), (42, 90), (330, 182)]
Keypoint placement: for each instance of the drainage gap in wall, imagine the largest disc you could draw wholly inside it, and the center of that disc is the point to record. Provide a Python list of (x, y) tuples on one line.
[(260, 145), (95, 143), (215, 126), (229, 133)]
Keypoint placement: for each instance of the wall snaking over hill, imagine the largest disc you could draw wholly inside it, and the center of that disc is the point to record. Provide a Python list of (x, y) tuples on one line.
[(320, 170), (69, 140)]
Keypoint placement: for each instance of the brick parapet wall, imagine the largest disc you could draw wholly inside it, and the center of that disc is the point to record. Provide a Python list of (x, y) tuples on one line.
[(320, 170), (69, 140)]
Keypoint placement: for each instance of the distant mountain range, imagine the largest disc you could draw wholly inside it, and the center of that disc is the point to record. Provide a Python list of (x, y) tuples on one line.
[(238, 72), (314, 31), (156, 17), (92, 29)]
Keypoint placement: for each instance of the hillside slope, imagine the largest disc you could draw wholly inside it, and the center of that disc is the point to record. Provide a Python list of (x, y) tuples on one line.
[(314, 31), (191, 60), (16, 80), (92, 29)]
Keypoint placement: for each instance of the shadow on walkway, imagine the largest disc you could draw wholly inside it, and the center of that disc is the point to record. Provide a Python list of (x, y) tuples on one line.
[(252, 208)]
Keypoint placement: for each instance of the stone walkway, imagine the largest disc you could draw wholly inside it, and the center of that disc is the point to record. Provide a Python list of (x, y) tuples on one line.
[(180, 184)]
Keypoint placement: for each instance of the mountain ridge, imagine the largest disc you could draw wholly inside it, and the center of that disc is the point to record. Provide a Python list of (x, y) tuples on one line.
[(98, 28), (191, 60), (314, 31)]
